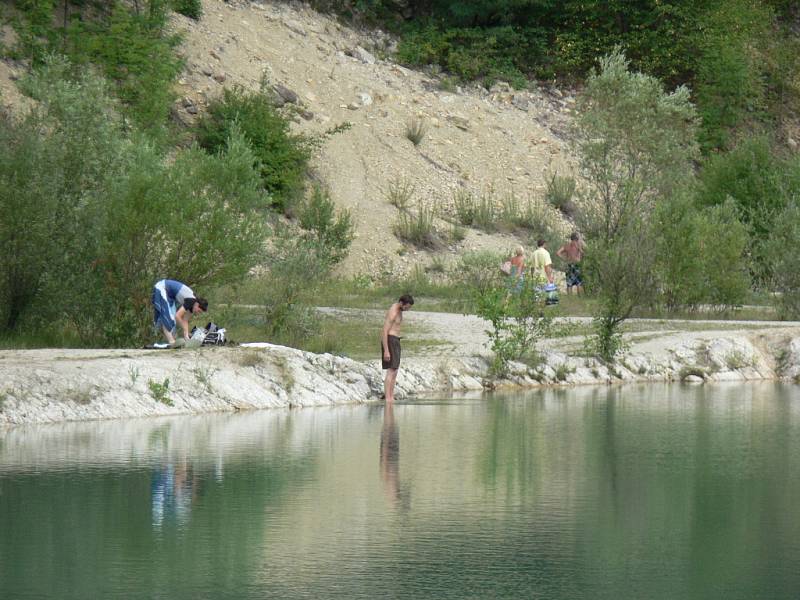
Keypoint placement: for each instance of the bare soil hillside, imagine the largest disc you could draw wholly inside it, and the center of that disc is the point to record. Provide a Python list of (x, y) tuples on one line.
[(476, 139)]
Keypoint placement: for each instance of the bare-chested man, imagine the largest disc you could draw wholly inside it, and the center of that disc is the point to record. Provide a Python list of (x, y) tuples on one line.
[(572, 253), (390, 343)]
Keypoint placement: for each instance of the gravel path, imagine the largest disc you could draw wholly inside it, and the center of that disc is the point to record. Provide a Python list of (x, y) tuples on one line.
[(464, 335)]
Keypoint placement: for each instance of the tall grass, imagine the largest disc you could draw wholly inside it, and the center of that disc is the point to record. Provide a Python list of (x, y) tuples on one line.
[(399, 193), (418, 228), (416, 130)]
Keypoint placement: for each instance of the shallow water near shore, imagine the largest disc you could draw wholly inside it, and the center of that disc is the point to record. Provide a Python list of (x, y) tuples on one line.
[(651, 491)]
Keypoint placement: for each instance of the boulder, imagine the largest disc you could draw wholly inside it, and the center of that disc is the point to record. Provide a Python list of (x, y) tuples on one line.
[(363, 55), (285, 95)]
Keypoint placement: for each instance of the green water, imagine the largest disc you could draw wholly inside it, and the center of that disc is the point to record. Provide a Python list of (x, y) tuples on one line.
[(601, 492)]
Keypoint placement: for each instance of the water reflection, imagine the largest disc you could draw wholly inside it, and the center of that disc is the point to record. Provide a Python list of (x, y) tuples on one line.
[(646, 492), (174, 489)]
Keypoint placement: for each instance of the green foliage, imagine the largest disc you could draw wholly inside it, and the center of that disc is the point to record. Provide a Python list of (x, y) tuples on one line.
[(471, 53), (136, 54), (282, 157), (189, 8), (760, 185), (295, 275), (484, 211), (131, 47), (479, 271), (701, 254), (729, 83), (785, 262), (517, 321), (105, 215), (160, 391), (330, 232), (635, 143)]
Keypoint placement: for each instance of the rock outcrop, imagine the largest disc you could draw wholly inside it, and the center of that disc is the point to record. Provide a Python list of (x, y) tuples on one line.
[(41, 386)]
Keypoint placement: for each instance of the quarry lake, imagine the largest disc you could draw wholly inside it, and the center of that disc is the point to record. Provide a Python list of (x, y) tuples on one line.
[(651, 491)]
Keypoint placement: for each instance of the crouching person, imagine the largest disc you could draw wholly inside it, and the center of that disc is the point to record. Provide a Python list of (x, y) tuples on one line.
[(174, 303)]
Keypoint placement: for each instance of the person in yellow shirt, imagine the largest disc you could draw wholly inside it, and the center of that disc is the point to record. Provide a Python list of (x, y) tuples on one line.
[(542, 264)]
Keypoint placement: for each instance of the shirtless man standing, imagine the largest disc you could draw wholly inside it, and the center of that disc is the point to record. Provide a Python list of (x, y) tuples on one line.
[(572, 253), (390, 343)]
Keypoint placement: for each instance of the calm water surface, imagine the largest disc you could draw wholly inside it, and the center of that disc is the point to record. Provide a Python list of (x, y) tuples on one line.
[(622, 492)]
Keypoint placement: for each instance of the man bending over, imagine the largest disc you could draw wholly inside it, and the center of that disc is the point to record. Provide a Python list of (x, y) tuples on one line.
[(174, 303), (390, 343)]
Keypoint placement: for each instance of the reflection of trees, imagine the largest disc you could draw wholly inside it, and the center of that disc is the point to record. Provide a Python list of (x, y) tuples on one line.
[(647, 492), (85, 530)]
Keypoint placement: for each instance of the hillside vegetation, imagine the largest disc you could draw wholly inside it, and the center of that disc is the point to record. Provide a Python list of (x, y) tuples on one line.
[(686, 197)]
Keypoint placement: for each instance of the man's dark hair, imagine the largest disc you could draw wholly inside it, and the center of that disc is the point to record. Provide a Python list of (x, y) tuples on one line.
[(574, 237), (188, 304), (541, 243), (406, 299)]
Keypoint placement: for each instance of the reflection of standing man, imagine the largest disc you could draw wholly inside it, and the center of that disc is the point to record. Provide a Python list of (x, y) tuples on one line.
[(390, 343), (390, 454), (572, 253)]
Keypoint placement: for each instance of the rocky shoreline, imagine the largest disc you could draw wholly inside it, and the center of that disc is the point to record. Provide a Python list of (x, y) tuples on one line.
[(46, 386)]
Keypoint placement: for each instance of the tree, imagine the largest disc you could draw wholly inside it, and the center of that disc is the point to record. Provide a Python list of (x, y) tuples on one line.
[(635, 143)]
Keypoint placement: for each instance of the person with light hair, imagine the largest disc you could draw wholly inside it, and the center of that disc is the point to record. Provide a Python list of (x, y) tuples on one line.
[(516, 277)]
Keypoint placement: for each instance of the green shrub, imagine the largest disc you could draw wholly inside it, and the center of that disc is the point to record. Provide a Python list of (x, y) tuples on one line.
[(760, 184), (781, 247), (120, 215), (636, 143), (136, 54), (282, 157), (295, 275), (330, 231), (479, 271), (701, 254), (517, 321), (188, 8)]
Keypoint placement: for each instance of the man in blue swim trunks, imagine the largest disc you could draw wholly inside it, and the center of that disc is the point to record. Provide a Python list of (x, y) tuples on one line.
[(174, 303)]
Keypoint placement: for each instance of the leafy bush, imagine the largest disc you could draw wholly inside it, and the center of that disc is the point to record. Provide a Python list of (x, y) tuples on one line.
[(781, 247), (701, 254), (517, 321), (130, 46), (329, 231), (282, 157), (189, 8), (121, 216), (760, 184), (479, 271), (636, 143), (295, 274), (486, 54)]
